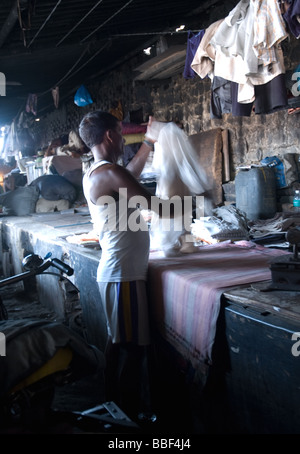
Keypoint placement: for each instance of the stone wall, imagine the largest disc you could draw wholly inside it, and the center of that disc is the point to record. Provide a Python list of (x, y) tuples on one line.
[(250, 138)]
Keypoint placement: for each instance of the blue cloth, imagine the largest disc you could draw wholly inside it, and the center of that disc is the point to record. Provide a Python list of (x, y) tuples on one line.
[(291, 17), (192, 46)]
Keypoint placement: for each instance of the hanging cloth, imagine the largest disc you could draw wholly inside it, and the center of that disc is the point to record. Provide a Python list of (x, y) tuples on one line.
[(292, 18), (31, 104), (220, 100), (203, 62), (269, 30), (55, 96), (193, 43)]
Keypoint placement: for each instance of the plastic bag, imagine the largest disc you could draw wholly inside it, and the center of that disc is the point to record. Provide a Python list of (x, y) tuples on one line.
[(82, 97), (277, 165), (285, 169), (179, 173)]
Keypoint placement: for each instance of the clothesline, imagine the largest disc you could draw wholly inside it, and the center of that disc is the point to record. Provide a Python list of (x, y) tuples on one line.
[(156, 33)]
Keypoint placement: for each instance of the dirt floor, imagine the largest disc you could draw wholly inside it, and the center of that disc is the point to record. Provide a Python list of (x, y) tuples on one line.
[(171, 398)]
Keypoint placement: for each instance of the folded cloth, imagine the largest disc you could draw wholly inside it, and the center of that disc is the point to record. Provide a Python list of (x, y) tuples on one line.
[(133, 128), (134, 138)]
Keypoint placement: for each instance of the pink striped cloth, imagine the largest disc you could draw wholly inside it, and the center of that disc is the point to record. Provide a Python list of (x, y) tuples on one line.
[(185, 291)]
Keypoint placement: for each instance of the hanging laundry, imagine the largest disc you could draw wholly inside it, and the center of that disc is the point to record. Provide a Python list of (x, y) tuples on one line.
[(10, 146), (55, 96), (224, 95), (221, 102), (31, 104), (272, 96), (239, 109), (269, 30), (203, 62), (292, 17), (247, 46), (193, 43)]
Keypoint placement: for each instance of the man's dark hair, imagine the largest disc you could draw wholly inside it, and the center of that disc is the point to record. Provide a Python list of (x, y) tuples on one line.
[(94, 125)]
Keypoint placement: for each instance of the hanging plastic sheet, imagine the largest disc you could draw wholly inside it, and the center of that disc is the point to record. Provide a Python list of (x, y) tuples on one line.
[(31, 104), (82, 97)]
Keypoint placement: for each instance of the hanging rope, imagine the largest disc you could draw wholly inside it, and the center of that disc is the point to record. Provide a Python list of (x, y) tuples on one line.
[(90, 59), (21, 23), (155, 33), (78, 23), (64, 79), (43, 25), (70, 73), (111, 17), (70, 70)]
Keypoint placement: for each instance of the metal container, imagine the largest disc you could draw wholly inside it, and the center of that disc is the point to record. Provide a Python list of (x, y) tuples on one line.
[(256, 192)]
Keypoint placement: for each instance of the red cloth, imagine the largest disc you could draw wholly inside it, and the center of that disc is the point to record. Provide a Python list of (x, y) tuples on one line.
[(133, 128)]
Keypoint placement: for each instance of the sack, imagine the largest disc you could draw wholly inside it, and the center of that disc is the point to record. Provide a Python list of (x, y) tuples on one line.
[(285, 169), (20, 202), (82, 97), (55, 187)]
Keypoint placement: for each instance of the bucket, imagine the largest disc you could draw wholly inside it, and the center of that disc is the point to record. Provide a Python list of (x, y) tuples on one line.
[(256, 192), (32, 171)]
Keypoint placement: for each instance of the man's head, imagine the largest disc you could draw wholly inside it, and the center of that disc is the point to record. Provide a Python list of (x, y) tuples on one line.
[(94, 125)]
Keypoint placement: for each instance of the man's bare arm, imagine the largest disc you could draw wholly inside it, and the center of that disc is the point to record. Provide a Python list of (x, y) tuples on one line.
[(137, 163)]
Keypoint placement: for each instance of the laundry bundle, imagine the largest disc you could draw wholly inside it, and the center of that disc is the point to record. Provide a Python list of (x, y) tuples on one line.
[(227, 223)]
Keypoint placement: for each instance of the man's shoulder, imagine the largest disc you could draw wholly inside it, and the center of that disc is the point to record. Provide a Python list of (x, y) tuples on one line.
[(120, 170)]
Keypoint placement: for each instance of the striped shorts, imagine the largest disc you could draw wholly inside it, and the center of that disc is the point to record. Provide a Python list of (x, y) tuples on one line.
[(126, 308)]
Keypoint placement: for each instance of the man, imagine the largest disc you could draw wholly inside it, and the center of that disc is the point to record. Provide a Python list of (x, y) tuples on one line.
[(122, 271)]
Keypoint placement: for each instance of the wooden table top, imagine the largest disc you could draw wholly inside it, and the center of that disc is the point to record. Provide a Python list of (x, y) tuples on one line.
[(258, 296)]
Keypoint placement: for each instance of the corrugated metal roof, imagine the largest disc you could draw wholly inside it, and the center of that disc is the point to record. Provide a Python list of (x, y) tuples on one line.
[(64, 43)]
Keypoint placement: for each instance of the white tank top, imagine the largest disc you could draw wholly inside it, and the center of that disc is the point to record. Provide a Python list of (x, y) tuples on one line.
[(125, 251)]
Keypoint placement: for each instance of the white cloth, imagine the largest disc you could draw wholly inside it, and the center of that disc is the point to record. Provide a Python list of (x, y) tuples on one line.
[(178, 174), (177, 164), (203, 61), (247, 46), (269, 29), (233, 43)]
